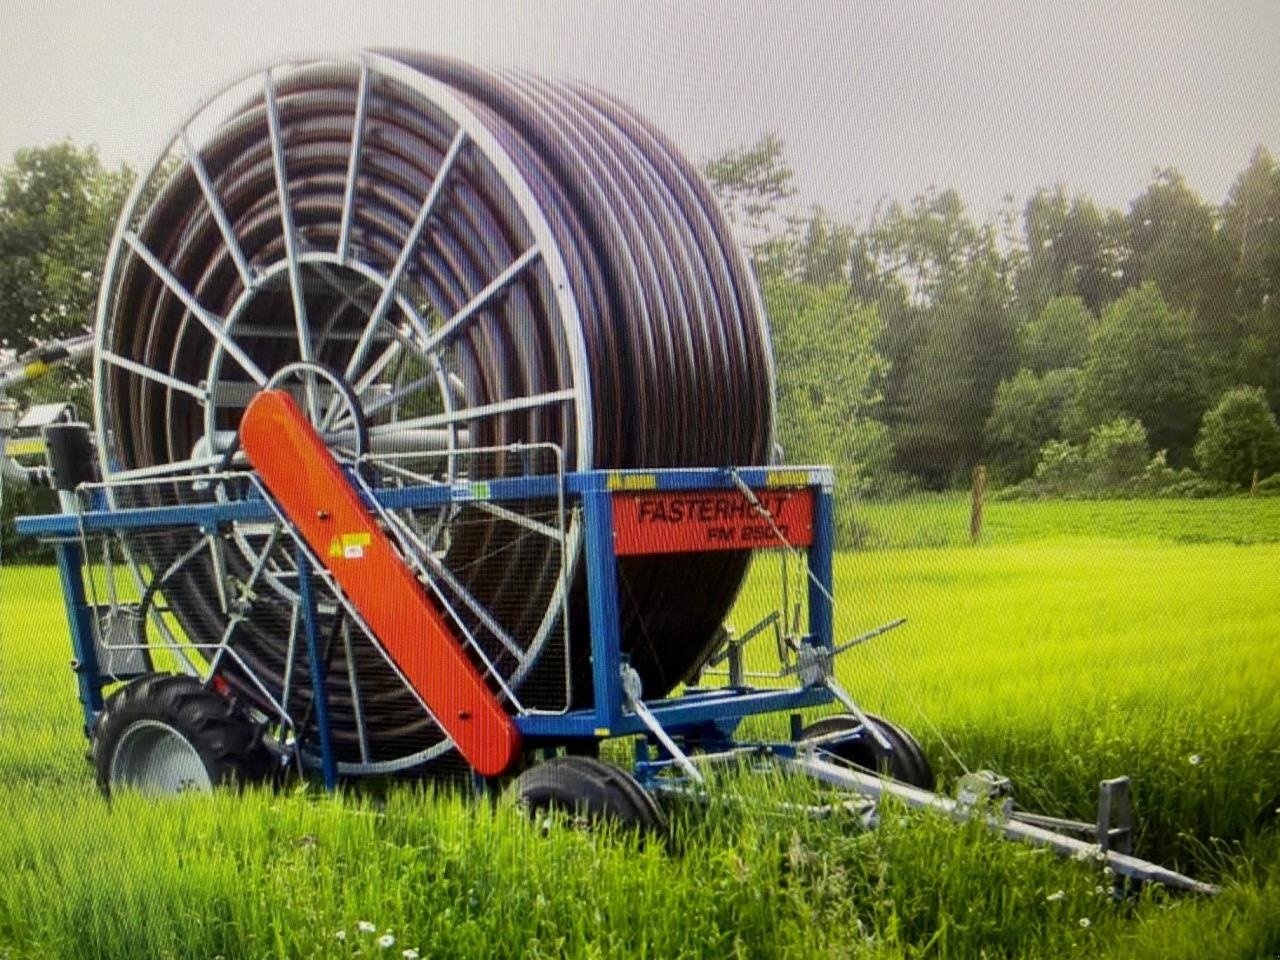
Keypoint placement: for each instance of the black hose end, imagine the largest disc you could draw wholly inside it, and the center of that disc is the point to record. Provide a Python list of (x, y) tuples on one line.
[(70, 450)]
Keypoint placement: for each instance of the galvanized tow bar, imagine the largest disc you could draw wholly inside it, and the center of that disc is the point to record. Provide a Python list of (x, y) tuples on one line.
[(1008, 824)]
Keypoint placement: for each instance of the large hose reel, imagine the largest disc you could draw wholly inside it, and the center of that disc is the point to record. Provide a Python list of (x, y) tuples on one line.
[(436, 259)]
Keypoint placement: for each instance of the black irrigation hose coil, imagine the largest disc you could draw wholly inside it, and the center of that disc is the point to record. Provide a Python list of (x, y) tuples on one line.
[(483, 258)]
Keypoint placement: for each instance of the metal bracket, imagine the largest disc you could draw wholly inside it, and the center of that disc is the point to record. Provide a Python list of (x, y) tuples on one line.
[(1115, 824), (829, 681), (631, 690), (985, 785), (869, 635)]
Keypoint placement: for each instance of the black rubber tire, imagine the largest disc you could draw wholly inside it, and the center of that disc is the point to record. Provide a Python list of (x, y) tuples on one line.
[(589, 788), (226, 739), (906, 763)]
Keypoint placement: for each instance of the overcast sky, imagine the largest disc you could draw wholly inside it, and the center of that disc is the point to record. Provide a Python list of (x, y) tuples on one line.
[(873, 100)]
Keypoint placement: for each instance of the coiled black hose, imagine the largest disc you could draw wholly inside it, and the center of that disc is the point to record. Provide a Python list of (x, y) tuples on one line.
[(665, 319)]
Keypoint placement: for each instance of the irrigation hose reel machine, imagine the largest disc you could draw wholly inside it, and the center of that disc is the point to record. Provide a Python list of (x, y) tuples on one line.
[(433, 428)]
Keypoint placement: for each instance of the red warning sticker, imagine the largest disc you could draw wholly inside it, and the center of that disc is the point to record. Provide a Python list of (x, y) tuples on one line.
[(659, 522)]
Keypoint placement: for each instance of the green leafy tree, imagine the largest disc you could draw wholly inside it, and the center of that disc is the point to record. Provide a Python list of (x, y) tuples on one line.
[(755, 186), (1238, 436), (950, 334), (1176, 244), (1116, 452), (942, 399), (1071, 248), (1251, 230), (1142, 365), (1061, 468), (1058, 337), (826, 251), (1112, 461), (931, 243), (1258, 354), (58, 205), (828, 379), (1029, 410)]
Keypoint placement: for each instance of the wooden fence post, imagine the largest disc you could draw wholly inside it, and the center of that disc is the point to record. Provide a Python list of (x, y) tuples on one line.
[(1253, 487), (975, 511)]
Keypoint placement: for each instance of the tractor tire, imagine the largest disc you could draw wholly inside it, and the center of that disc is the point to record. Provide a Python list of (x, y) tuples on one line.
[(167, 733), (906, 762), (591, 790)]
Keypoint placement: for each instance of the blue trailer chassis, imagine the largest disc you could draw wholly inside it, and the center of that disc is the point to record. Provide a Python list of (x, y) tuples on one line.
[(708, 716)]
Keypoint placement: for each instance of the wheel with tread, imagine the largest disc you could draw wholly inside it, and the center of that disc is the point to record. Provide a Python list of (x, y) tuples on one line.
[(589, 788), (906, 762), (168, 733)]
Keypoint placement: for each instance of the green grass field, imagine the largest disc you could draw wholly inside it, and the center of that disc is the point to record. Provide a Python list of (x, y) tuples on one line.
[(1079, 641)]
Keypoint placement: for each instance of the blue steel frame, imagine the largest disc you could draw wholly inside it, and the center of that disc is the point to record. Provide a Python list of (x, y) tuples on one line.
[(707, 715)]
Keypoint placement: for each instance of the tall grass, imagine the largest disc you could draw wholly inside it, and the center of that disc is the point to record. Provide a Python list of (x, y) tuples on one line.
[(1064, 662), (1057, 662)]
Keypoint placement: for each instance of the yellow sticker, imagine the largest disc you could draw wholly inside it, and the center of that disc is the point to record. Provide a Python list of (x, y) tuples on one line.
[(25, 447), (349, 546), (602, 731), (632, 481), (787, 478)]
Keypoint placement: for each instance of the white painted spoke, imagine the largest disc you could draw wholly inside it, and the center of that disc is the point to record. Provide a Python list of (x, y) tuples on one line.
[(164, 379), (422, 551), (406, 252), (260, 564), (478, 302), (219, 214), (476, 413), (399, 394), (289, 656), (210, 322), (520, 520), (219, 560), (353, 684), (353, 165), (177, 467), (348, 298), (370, 376), (305, 352)]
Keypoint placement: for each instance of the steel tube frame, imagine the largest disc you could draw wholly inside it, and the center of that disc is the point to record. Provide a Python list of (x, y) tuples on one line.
[(593, 490)]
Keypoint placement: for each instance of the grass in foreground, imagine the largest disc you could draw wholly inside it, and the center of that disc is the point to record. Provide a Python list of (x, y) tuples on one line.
[(1057, 663)]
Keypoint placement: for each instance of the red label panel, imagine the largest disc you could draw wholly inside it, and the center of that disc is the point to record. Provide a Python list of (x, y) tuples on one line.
[(691, 522)]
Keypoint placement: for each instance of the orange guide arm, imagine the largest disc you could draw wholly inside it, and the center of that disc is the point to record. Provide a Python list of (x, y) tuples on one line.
[(317, 497)]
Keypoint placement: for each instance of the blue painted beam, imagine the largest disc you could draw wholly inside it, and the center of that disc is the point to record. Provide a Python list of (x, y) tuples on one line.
[(675, 713)]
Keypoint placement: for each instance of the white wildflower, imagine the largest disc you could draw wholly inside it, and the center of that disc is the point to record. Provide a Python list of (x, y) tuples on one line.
[(1195, 759), (409, 954), (386, 941), (364, 926), (1056, 896), (340, 935), (1099, 889), (1085, 922)]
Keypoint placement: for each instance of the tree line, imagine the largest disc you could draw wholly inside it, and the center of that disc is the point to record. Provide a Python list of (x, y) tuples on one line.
[(1061, 339), (1057, 341)]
